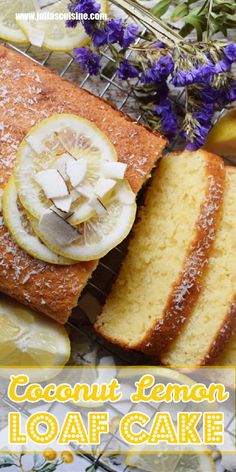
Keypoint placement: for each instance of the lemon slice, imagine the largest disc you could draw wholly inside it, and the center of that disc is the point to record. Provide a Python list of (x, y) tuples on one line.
[(54, 35), (18, 224), (170, 462), (222, 137), (30, 339), (43, 147), (9, 29), (99, 234)]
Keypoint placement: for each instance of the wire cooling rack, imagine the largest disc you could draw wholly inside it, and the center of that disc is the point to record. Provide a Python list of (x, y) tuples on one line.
[(87, 347)]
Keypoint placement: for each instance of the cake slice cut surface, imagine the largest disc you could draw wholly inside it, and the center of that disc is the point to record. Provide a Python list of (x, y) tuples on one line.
[(161, 276), (227, 356), (213, 318)]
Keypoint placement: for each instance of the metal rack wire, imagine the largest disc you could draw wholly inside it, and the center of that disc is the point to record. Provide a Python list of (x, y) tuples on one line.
[(110, 88)]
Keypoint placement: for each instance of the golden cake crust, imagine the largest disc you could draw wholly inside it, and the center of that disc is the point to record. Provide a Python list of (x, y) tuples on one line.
[(28, 94), (186, 289)]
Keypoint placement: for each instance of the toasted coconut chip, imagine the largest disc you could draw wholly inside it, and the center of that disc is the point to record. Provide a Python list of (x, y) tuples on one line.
[(113, 170), (76, 171), (51, 183), (98, 206), (60, 213), (63, 233), (104, 186), (63, 203), (75, 195), (62, 163), (86, 190)]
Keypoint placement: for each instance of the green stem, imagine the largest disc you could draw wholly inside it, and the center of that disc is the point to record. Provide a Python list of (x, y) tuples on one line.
[(209, 19), (20, 463), (186, 100)]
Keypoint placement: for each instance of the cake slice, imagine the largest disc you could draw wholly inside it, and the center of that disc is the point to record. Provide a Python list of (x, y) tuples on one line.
[(227, 356), (161, 276), (30, 93), (214, 316)]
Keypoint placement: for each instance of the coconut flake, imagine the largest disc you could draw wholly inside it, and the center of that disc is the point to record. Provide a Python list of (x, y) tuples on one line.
[(63, 203), (75, 195), (86, 190), (52, 183), (53, 226), (37, 37), (103, 186), (76, 171), (113, 170), (98, 206), (60, 213), (62, 163)]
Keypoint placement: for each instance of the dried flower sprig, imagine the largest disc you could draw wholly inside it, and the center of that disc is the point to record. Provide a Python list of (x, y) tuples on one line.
[(202, 69)]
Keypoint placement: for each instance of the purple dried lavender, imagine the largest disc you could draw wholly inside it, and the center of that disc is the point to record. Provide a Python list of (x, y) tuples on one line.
[(127, 70), (158, 70), (168, 116), (203, 119), (88, 60)]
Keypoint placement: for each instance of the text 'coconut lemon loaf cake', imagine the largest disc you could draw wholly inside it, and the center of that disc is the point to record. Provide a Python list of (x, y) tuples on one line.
[(161, 275), (214, 316)]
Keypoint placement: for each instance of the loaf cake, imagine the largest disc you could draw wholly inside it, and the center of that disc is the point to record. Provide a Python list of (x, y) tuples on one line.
[(28, 94), (161, 276), (227, 357), (214, 315)]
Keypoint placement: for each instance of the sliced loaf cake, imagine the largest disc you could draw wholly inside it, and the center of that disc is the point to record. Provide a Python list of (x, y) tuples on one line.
[(214, 316), (227, 357), (161, 276)]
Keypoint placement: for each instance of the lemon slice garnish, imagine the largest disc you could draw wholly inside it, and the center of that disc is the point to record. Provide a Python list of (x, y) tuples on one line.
[(222, 137), (9, 29), (55, 36), (30, 339), (18, 224), (173, 462), (43, 147), (99, 234)]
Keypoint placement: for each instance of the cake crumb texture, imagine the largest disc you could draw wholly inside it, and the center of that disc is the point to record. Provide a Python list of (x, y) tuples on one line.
[(227, 356)]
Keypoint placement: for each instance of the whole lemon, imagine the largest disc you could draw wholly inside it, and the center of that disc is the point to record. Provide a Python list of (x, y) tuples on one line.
[(67, 457), (49, 454), (222, 137)]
